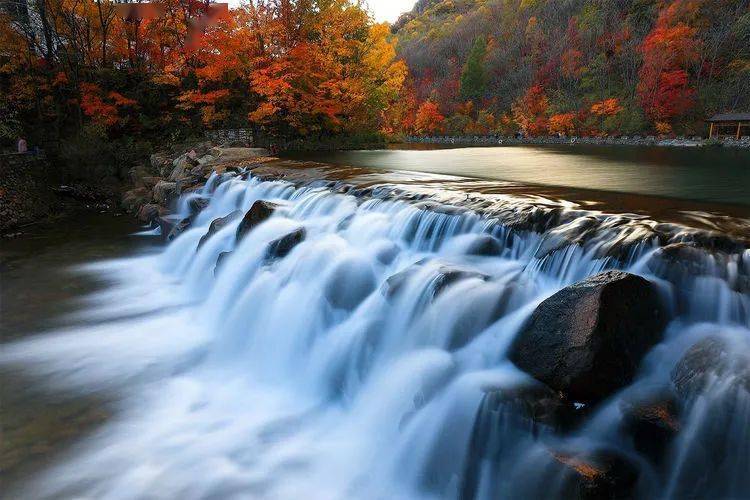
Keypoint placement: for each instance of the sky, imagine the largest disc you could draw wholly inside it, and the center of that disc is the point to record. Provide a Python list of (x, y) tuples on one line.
[(389, 10), (383, 10)]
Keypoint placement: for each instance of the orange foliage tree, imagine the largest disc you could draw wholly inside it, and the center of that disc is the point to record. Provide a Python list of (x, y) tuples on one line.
[(530, 111), (429, 120), (289, 67), (562, 123)]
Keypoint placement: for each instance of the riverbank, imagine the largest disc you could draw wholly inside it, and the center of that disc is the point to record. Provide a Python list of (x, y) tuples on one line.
[(44, 289), (495, 140), (31, 193)]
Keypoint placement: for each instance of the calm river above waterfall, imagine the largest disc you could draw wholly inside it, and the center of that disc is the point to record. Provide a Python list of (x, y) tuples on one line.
[(338, 333), (707, 174)]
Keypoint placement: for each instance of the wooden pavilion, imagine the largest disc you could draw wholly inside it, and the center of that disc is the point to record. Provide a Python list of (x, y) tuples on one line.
[(730, 122)]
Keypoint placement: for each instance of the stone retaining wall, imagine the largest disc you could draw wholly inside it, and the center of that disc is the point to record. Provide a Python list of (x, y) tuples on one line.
[(241, 134), (25, 189), (744, 142)]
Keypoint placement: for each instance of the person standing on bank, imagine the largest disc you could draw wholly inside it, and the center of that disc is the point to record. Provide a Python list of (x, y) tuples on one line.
[(23, 147)]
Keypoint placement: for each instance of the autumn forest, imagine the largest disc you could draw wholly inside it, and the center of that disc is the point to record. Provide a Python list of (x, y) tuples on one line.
[(74, 72)]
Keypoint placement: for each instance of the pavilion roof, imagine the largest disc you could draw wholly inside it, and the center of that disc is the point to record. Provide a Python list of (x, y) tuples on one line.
[(730, 117)]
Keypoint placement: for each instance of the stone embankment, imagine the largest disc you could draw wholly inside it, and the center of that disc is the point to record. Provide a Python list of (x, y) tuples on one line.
[(182, 169), (636, 140), (25, 193)]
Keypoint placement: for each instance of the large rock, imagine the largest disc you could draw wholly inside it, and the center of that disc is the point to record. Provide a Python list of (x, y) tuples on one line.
[(588, 339), (165, 192), (217, 225), (711, 359), (261, 211)]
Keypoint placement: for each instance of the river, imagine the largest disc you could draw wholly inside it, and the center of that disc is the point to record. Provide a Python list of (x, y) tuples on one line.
[(707, 174), (357, 359)]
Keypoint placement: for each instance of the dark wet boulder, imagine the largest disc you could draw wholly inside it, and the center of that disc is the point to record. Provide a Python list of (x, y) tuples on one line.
[(711, 359), (484, 245), (652, 423), (597, 475), (217, 225), (352, 280), (259, 212), (280, 247), (588, 339)]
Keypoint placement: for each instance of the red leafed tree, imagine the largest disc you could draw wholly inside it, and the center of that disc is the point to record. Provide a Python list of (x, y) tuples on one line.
[(429, 120), (95, 107), (668, 51)]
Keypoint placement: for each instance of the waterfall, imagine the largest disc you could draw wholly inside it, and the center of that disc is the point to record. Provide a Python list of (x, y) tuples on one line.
[(367, 360)]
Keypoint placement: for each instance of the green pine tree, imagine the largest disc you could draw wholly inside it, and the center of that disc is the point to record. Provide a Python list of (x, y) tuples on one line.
[(473, 75)]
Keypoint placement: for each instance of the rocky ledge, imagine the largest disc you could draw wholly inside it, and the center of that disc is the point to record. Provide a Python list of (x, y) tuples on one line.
[(181, 169)]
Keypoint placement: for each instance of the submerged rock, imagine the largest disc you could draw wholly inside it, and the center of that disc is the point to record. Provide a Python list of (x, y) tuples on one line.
[(445, 275), (597, 475), (259, 212), (352, 280), (709, 360), (171, 228), (484, 245), (652, 423), (197, 204), (537, 404), (280, 247), (220, 261), (217, 225), (507, 421), (588, 339)]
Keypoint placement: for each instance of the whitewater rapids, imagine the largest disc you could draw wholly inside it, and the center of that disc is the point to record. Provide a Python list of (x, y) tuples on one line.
[(306, 377)]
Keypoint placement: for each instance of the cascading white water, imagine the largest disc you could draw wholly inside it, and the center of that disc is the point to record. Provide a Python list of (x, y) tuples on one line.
[(349, 368)]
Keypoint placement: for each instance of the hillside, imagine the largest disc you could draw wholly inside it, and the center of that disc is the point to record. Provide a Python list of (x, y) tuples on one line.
[(576, 66)]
